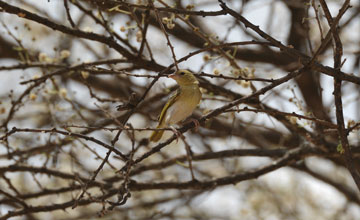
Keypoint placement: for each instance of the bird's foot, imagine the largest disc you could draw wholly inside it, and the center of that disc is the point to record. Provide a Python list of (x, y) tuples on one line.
[(176, 132), (196, 123)]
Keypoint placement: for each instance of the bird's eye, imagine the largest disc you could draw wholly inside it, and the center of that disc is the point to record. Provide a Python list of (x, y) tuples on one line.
[(182, 73)]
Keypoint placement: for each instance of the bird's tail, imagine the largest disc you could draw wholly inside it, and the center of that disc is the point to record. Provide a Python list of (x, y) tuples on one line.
[(156, 135)]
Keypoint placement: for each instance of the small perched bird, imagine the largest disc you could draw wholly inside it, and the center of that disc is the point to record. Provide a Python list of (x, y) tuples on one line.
[(181, 104)]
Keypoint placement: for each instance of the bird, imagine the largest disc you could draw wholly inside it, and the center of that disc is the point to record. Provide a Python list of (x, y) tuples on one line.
[(181, 104)]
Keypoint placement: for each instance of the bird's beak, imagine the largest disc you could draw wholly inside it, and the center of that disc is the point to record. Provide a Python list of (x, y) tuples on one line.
[(172, 76)]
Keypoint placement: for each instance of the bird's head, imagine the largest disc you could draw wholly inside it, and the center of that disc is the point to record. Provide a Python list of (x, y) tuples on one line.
[(184, 77)]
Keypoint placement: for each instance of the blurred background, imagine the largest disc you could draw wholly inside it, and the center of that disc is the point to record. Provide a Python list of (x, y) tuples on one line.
[(83, 82)]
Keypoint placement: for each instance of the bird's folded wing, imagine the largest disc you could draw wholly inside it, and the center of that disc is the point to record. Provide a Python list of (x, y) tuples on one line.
[(169, 103)]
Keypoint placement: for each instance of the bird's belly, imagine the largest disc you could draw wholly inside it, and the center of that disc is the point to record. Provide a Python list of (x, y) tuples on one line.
[(179, 111)]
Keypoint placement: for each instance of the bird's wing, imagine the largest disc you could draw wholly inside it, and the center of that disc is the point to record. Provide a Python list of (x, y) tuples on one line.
[(169, 103)]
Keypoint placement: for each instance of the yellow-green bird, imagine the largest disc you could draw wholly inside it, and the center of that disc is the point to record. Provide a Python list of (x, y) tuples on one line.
[(181, 104)]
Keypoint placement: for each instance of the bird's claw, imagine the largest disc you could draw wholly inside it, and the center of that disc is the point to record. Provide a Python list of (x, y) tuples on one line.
[(196, 123)]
